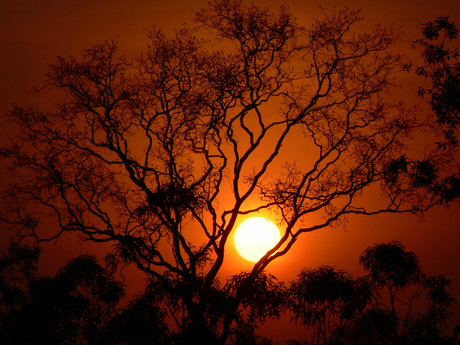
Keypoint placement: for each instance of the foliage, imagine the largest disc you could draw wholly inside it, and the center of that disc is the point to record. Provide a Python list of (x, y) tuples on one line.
[(80, 304), (163, 153), (372, 326), (391, 267), (142, 321), (17, 269), (442, 68), (265, 298), (71, 308), (325, 298), (376, 308)]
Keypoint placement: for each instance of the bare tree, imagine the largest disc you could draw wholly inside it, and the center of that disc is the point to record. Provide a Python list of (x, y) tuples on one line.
[(161, 154)]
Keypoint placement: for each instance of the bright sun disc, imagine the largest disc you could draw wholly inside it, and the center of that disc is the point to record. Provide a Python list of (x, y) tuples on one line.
[(254, 237)]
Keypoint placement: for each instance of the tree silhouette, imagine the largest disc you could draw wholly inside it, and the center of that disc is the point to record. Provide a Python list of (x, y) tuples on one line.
[(325, 299), (372, 326), (265, 298), (162, 154), (429, 328), (18, 267), (377, 308), (79, 304), (391, 268), (74, 307), (142, 321)]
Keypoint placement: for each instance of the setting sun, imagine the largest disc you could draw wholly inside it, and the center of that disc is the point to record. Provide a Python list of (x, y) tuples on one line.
[(255, 236)]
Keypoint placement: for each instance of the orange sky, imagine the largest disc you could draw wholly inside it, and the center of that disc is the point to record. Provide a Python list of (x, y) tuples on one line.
[(33, 33)]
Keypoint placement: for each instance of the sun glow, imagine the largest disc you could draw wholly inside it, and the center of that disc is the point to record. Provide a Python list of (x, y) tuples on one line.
[(254, 237)]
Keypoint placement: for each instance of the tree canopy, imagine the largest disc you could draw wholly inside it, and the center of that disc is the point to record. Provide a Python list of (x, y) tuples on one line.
[(79, 305), (243, 112)]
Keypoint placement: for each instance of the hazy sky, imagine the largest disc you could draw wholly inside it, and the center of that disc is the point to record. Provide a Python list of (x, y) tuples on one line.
[(34, 32)]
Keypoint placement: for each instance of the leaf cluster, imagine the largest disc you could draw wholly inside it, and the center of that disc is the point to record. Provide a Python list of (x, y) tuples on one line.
[(442, 68)]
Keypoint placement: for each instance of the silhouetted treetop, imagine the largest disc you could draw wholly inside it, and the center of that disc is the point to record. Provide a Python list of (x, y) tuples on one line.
[(390, 263)]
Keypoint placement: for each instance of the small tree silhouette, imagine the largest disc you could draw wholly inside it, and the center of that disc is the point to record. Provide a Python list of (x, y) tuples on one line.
[(391, 268), (325, 298)]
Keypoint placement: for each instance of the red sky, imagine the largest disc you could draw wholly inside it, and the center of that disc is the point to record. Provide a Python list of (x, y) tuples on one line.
[(33, 33)]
